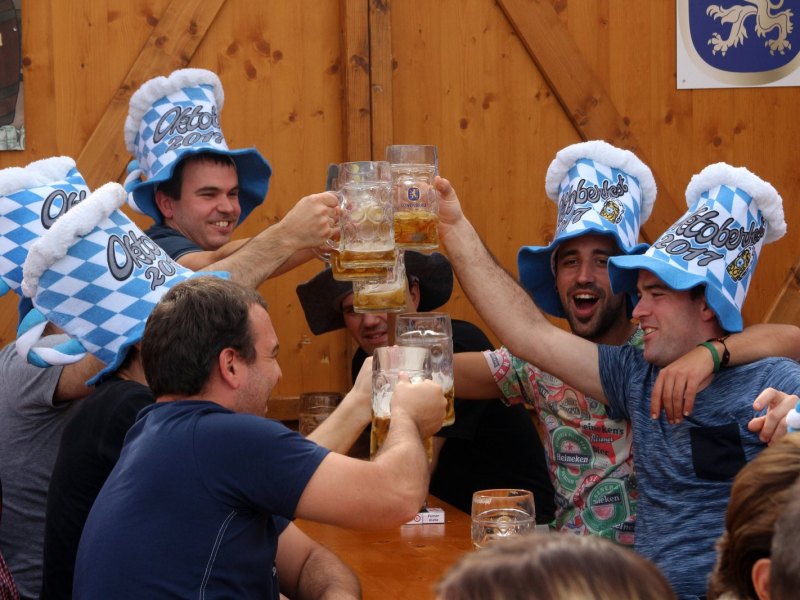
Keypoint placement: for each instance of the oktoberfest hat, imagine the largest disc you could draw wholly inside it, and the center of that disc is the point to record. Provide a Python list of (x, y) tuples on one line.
[(716, 243), (97, 277), (598, 188), (172, 118), (31, 199), (793, 419), (321, 296)]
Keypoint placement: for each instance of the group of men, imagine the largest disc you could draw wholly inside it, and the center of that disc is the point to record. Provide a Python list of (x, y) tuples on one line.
[(147, 471)]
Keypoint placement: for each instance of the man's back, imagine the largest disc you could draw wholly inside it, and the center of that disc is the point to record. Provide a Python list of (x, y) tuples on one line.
[(189, 507), (30, 430), (90, 447)]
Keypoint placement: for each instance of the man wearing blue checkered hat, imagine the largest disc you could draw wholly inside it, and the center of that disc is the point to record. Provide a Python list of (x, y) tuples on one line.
[(98, 276), (201, 501), (197, 190), (684, 466), (36, 408)]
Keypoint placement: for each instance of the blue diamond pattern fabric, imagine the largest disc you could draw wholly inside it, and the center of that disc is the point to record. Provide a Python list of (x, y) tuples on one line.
[(172, 118), (597, 189), (31, 199), (716, 243), (101, 288)]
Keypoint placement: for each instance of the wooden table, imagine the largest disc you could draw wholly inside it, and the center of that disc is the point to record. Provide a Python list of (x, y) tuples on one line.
[(402, 562)]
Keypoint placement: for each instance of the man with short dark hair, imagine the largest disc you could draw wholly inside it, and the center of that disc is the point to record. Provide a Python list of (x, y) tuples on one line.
[(197, 190), (200, 499), (684, 468), (474, 453)]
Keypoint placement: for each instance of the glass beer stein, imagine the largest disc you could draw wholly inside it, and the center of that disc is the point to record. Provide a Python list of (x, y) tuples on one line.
[(387, 364), (366, 221), (382, 295), (434, 331), (416, 202)]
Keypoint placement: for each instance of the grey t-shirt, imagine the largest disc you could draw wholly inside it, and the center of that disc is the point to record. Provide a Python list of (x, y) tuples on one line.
[(30, 432)]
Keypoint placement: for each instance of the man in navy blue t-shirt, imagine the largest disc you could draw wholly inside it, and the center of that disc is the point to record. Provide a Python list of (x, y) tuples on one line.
[(200, 502)]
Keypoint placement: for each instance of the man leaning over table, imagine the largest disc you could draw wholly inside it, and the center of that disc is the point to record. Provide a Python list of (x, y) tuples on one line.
[(202, 495), (122, 298), (197, 190), (691, 290), (589, 452)]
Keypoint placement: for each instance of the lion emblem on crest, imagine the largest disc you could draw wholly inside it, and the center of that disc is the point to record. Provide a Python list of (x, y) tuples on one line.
[(767, 18)]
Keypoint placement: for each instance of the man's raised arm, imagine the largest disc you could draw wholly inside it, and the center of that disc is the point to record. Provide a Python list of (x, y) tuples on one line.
[(506, 307), (307, 225)]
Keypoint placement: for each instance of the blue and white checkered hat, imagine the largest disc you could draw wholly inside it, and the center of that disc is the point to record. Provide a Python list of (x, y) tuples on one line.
[(598, 188), (170, 118), (31, 199), (716, 243), (95, 275), (793, 419)]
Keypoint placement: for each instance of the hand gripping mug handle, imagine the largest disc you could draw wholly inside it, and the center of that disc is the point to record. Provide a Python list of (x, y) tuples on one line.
[(56, 349)]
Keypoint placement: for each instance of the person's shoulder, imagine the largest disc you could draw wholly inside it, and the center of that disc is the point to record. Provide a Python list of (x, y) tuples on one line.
[(159, 231), (468, 337)]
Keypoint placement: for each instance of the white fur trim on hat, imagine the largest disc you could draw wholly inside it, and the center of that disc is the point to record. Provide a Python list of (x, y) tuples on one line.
[(765, 196), (65, 231), (36, 174), (159, 87), (609, 155)]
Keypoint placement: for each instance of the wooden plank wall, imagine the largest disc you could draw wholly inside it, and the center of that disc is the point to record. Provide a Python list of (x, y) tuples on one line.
[(462, 75)]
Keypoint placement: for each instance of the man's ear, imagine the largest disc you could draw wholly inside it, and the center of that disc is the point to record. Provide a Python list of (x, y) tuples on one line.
[(414, 294), (760, 577), (706, 313), (164, 204), (228, 367)]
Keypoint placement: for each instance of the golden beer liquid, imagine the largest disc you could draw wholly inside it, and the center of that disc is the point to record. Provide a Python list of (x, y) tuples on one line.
[(380, 429), (450, 410), (379, 301), (352, 259), (342, 273), (416, 229)]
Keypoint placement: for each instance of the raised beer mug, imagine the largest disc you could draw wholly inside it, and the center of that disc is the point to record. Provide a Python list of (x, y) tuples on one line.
[(387, 294), (415, 200), (329, 253), (387, 364), (434, 331), (366, 219)]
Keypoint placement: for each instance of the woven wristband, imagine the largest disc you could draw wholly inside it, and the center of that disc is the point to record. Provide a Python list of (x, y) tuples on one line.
[(726, 356), (714, 354)]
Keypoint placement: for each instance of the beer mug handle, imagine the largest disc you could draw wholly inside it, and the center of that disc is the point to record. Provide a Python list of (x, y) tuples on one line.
[(56, 349), (331, 185), (331, 245)]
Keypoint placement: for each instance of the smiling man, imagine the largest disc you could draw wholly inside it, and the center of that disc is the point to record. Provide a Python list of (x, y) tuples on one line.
[(693, 281), (201, 501), (197, 190), (589, 453), (471, 454)]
